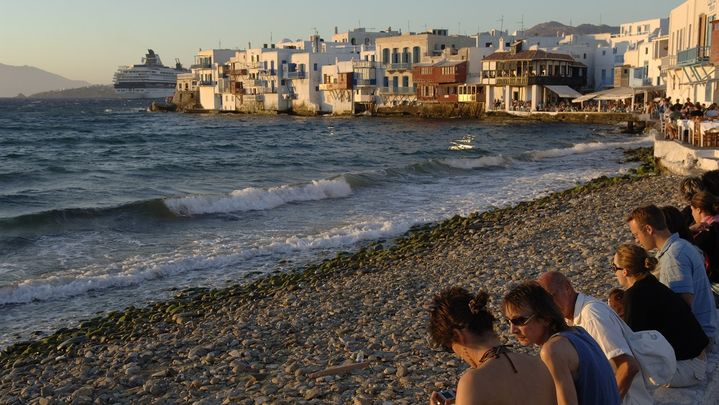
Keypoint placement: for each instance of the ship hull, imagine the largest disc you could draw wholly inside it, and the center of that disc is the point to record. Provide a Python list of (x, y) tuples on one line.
[(144, 92)]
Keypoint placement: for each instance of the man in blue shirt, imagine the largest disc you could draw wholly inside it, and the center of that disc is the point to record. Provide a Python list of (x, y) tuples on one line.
[(681, 264)]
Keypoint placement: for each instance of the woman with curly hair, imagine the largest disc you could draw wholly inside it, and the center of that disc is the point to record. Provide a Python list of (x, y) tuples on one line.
[(461, 324)]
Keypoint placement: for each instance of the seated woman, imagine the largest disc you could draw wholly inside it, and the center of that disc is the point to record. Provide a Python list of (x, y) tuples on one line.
[(650, 305), (687, 188), (461, 323), (579, 368), (705, 230)]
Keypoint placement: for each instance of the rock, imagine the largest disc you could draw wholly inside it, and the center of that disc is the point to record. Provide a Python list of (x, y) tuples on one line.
[(135, 381), (156, 387), (311, 393)]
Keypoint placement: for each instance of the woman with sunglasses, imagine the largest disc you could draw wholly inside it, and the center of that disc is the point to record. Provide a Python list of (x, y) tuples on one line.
[(650, 305), (461, 324), (581, 372)]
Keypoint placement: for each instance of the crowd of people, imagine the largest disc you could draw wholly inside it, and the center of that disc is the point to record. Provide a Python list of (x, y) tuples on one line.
[(670, 112), (588, 350)]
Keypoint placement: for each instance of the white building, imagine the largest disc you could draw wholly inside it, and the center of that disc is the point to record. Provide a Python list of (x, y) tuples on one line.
[(690, 73), (209, 72), (360, 36)]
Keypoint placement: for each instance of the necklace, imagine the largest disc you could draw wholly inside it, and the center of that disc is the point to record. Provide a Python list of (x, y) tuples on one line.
[(495, 352)]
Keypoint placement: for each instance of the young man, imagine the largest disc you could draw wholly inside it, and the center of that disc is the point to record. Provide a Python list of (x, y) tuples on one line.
[(681, 264), (605, 327)]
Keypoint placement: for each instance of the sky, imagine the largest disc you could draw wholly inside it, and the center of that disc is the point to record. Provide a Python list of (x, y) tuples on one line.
[(88, 39)]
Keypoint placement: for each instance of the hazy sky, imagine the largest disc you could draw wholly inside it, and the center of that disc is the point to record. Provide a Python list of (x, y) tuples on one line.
[(89, 39)]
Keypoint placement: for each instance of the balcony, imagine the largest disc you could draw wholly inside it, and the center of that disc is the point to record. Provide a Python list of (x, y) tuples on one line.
[(398, 66), (666, 63), (364, 64), (692, 56), (365, 82), (201, 66), (253, 83), (364, 98), (238, 72), (470, 98), (258, 98), (540, 80), (295, 75), (397, 91), (335, 86)]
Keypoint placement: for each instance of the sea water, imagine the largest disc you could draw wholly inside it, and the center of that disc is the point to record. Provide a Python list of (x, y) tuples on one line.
[(105, 205)]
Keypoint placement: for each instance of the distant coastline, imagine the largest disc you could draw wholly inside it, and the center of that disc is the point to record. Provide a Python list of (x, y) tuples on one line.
[(94, 91)]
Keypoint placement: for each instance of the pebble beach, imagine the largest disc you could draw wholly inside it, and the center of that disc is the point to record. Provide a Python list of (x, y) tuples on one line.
[(272, 341)]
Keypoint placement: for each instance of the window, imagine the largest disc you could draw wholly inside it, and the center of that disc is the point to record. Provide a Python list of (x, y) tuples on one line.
[(416, 57), (314, 67), (405, 81), (604, 53), (317, 88), (487, 44), (385, 82), (584, 56)]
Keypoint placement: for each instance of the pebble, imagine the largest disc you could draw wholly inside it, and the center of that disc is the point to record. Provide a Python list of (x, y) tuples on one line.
[(261, 350)]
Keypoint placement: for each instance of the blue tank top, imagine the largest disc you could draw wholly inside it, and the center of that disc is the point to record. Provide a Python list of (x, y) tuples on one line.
[(595, 382)]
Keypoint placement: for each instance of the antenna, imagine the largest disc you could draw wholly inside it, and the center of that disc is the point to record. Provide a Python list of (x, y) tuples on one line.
[(408, 30), (521, 24), (219, 43), (271, 41), (501, 24), (315, 30)]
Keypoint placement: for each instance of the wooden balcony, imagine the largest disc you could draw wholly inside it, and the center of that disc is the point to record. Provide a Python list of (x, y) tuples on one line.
[(335, 86)]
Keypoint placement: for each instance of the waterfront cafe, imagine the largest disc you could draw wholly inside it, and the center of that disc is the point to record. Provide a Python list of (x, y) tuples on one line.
[(532, 78), (631, 97)]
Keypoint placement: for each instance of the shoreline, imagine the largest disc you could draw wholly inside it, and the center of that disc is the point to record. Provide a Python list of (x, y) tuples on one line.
[(418, 237), (262, 341)]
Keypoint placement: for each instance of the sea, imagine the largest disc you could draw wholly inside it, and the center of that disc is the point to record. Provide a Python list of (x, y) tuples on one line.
[(104, 205)]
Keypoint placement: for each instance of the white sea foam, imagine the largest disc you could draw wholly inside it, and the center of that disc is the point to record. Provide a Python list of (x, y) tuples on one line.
[(485, 161), (587, 147), (252, 198), (138, 270)]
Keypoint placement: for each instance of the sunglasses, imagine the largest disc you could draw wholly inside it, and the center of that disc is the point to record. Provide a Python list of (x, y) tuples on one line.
[(616, 268), (520, 320)]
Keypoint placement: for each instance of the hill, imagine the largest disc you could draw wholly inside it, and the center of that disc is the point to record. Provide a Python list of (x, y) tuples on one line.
[(95, 91), (551, 28), (30, 80)]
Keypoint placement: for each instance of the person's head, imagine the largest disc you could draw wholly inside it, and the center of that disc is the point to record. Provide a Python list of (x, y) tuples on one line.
[(561, 290), (703, 204), (676, 223), (711, 181), (616, 301), (459, 319), (533, 315), (690, 186), (646, 223), (631, 262)]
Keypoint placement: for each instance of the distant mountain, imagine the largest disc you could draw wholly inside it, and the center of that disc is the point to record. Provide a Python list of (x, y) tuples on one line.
[(96, 91), (551, 28), (30, 80)]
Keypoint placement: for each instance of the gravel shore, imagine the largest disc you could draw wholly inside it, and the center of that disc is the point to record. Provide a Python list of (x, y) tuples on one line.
[(261, 343)]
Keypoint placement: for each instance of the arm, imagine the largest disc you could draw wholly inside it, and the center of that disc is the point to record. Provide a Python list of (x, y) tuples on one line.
[(561, 359), (625, 368)]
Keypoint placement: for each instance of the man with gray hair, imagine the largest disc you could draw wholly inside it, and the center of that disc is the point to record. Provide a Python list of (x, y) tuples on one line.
[(605, 326)]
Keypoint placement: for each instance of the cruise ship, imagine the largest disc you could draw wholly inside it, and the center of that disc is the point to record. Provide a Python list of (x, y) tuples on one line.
[(150, 79)]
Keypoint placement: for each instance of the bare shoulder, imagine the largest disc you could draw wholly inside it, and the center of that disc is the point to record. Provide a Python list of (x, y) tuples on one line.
[(557, 348), (474, 384)]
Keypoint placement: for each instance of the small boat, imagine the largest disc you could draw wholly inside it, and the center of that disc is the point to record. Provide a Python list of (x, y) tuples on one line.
[(466, 143)]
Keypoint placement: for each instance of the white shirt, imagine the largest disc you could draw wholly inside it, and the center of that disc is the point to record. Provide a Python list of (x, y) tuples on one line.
[(605, 326)]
